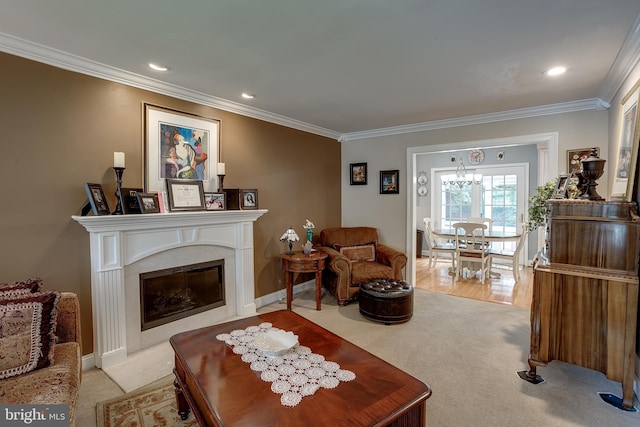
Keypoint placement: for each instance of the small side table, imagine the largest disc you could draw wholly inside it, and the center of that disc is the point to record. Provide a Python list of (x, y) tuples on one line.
[(301, 263)]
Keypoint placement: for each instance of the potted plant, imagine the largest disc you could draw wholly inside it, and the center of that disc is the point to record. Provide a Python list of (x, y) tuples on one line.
[(538, 205), (538, 209)]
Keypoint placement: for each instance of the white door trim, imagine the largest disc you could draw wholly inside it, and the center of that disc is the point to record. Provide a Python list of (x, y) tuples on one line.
[(547, 167)]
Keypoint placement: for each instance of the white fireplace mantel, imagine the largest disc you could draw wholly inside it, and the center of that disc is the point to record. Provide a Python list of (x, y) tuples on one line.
[(117, 241)]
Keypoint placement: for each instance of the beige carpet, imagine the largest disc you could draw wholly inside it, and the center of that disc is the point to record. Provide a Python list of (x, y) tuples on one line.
[(469, 353), (151, 406)]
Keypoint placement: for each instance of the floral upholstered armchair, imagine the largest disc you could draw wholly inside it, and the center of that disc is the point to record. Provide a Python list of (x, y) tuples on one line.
[(356, 256)]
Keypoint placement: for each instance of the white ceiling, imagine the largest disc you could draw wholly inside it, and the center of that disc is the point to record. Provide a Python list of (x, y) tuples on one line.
[(339, 67)]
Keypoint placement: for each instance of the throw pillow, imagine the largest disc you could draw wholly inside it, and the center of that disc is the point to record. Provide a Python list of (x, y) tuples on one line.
[(27, 328), (366, 252), (30, 285)]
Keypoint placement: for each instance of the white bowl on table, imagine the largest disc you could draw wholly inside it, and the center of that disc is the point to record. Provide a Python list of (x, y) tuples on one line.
[(275, 342)]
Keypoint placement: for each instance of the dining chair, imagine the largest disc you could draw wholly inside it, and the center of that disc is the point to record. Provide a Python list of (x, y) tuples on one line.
[(436, 246), (481, 220), (471, 246), (512, 255)]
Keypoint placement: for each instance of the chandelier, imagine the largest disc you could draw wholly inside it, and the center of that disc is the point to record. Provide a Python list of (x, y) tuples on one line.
[(462, 177)]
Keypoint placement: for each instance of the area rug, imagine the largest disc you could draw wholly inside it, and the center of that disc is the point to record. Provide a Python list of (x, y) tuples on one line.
[(151, 406)]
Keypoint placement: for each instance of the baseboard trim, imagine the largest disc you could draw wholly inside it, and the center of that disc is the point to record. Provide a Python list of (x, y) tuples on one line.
[(281, 294)]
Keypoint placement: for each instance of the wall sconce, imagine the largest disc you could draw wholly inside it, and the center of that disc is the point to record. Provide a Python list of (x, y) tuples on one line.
[(290, 236)]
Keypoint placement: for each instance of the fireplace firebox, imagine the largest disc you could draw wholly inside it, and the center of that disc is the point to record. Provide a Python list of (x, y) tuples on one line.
[(175, 293)]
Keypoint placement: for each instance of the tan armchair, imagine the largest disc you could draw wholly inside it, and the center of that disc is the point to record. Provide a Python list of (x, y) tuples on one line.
[(356, 256)]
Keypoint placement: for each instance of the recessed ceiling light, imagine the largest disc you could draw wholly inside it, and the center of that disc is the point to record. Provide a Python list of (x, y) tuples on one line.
[(158, 67), (247, 96), (556, 71)]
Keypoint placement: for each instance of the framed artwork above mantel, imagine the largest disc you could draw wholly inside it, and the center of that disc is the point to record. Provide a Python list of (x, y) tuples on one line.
[(179, 145)]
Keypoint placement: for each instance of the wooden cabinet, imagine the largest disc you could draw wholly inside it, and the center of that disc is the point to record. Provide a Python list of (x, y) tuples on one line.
[(585, 298)]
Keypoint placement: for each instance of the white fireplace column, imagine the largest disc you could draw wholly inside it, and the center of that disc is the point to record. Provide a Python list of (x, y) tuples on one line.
[(119, 240)]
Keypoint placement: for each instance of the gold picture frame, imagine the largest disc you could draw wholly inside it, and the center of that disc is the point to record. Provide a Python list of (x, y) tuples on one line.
[(627, 147)]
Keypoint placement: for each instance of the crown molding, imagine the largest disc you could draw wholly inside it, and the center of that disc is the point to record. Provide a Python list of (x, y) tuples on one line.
[(627, 60), (66, 61), (543, 110)]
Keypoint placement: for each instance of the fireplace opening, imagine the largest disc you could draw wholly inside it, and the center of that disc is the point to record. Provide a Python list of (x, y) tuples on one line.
[(175, 293)]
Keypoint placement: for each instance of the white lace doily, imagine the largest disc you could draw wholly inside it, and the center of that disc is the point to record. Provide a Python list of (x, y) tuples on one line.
[(296, 374)]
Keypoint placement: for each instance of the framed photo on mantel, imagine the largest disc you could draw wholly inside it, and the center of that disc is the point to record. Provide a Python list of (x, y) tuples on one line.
[(97, 200), (148, 202), (185, 195)]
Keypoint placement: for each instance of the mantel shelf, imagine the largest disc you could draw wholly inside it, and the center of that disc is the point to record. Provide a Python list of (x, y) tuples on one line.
[(166, 220)]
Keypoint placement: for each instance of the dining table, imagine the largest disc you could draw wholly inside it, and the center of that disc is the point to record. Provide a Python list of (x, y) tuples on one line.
[(489, 236)]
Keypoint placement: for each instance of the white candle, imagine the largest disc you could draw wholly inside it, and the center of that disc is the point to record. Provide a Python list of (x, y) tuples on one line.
[(118, 159), (221, 169)]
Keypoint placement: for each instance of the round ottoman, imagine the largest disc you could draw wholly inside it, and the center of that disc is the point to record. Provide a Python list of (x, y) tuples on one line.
[(386, 300)]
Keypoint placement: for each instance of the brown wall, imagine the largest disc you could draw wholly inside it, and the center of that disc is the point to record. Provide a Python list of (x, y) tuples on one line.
[(60, 129)]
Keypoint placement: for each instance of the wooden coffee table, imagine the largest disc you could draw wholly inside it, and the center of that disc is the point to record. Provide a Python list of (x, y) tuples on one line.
[(222, 390)]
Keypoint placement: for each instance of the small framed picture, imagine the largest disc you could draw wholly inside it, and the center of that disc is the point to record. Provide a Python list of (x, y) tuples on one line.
[(358, 173), (561, 187), (130, 200), (389, 182), (214, 201), (249, 199), (185, 195), (97, 200), (576, 156), (148, 202)]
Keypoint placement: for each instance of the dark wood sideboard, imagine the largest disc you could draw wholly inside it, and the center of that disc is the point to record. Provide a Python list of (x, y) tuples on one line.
[(585, 296)]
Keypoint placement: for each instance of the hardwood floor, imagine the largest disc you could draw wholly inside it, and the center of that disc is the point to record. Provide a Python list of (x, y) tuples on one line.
[(499, 290)]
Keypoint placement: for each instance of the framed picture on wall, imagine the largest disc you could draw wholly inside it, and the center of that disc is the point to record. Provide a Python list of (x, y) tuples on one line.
[(627, 148), (179, 145), (575, 157), (389, 182), (358, 173)]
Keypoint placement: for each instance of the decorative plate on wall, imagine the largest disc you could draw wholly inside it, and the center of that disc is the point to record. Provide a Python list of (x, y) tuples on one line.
[(422, 178), (475, 156)]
